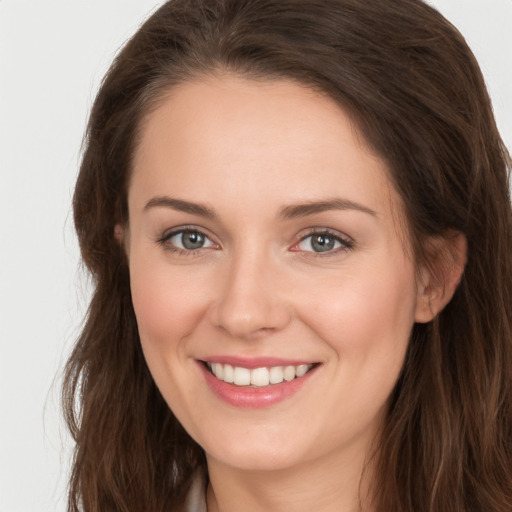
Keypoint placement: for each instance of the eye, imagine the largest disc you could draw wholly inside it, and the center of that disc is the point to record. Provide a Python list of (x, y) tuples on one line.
[(323, 242), (187, 240)]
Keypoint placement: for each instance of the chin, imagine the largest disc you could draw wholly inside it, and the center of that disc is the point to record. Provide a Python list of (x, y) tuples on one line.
[(254, 459), (255, 453)]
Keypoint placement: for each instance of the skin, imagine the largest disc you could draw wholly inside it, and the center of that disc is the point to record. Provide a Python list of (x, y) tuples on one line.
[(246, 151)]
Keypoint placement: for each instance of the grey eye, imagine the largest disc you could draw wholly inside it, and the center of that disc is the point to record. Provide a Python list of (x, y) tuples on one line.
[(319, 242), (190, 240)]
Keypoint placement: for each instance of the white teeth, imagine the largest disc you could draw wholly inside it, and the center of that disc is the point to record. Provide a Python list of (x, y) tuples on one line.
[(242, 376), (276, 375), (229, 373), (289, 373), (258, 377), (218, 370), (301, 370)]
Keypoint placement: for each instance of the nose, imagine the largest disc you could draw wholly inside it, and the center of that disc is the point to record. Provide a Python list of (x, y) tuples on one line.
[(252, 298)]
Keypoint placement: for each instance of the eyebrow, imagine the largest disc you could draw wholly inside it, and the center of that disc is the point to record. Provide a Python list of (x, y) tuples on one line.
[(314, 207), (180, 205), (286, 213)]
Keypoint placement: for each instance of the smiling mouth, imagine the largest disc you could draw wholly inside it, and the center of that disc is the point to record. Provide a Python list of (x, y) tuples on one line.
[(257, 377)]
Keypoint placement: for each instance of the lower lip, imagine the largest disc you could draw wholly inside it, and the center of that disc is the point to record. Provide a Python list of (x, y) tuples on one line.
[(253, 397)]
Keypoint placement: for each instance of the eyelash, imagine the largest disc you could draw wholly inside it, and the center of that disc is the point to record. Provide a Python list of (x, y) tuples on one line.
[(345, 244), (164, 241)]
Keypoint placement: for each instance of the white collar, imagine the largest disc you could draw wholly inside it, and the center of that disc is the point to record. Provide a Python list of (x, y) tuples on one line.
[(195, 501)]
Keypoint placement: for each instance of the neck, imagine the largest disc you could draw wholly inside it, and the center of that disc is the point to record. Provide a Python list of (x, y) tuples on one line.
[(330, 484)]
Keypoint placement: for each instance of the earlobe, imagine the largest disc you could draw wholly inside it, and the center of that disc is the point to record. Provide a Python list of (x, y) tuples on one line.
[(119, 233), (440, 277)]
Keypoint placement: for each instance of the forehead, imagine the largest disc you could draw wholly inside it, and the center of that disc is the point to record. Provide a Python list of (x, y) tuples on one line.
[(227, 137)]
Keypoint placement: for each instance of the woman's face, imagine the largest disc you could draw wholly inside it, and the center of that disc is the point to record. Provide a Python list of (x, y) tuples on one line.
[(263, 243)]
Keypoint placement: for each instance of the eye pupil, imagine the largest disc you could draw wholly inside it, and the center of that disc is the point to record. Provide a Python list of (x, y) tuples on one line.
[(322, 243), (192, 240)]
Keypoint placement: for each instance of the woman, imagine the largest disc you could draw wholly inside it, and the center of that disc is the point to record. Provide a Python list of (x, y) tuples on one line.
[(298, 221)]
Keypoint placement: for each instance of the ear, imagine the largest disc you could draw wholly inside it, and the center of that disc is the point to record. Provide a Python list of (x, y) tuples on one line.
[(119, 233), (440, 276)]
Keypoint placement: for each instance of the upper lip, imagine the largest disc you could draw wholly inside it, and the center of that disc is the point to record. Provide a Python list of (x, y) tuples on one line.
[(255, 362)]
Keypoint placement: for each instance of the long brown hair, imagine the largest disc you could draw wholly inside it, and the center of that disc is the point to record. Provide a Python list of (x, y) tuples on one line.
[(416, 93)]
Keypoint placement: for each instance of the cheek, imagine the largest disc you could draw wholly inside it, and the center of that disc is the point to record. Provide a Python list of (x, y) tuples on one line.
[(366, 317), (167, 311), (367, 324), (167, 306)]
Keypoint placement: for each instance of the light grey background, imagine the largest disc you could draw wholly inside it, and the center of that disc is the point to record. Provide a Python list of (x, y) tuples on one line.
[(52, 57)]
